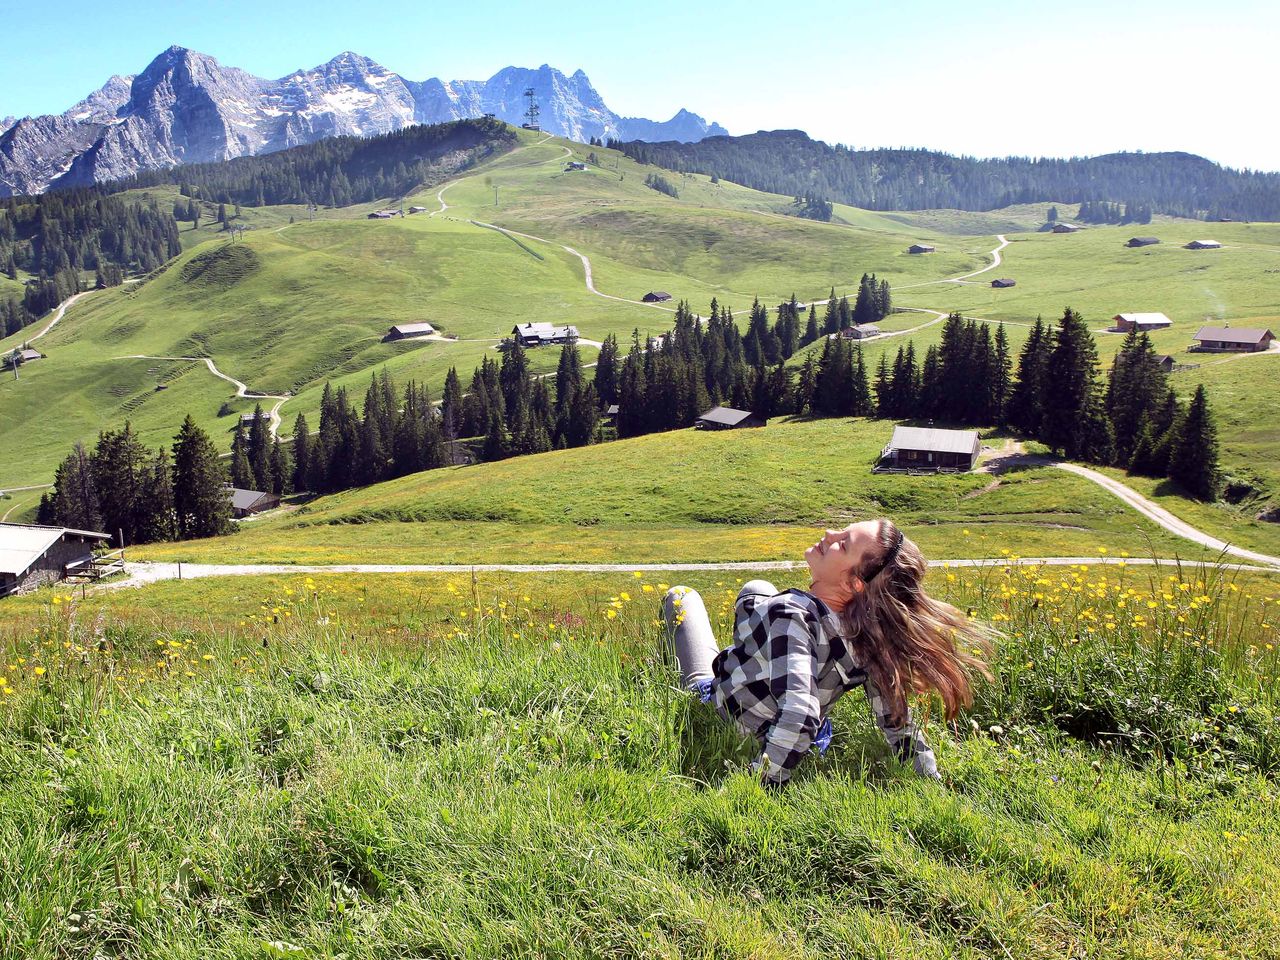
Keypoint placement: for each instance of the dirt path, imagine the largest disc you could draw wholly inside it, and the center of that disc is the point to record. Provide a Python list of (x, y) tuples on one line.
[(64, 306), (1011, 456), (996, 260), (242, 391), (21, 502), (140, 574)]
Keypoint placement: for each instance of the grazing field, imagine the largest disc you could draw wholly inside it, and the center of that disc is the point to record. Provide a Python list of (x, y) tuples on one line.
[(689, 495), (503, 766)]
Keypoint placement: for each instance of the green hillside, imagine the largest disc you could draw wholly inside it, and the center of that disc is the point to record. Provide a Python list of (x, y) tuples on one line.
[(689, 495), (294, 304)]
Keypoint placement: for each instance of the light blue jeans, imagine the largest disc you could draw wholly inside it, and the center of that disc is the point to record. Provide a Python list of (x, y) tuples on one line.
[(689, 633)]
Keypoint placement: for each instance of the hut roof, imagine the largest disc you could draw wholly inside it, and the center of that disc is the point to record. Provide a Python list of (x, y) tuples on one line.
[(410, 329), (726, 415), (1233, 334), (934, 439)]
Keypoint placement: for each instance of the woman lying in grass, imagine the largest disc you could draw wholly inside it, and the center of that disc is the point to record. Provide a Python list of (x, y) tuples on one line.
[(865, 621)]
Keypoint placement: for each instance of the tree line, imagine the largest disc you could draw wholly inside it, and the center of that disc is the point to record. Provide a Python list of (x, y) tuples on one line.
[(1104, 211), (336, 172), (788, 162)]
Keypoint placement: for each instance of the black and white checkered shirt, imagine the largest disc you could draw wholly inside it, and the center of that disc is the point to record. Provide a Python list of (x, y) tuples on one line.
[(788, 664)]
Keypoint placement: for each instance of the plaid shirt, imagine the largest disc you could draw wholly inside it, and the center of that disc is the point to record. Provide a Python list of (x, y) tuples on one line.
[(788, 664)]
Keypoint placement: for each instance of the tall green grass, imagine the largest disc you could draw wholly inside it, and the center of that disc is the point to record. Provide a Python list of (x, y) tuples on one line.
[(441, 767)]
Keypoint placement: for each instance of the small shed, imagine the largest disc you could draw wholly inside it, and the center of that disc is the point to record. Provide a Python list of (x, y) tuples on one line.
[(1204, 245), (656, 296), (930, 448), (920, 248), (32, 555), (862, 332), (1232, 340), (1124, 322), (727, 418), (417, 209), (610, 417), (575, 165), (1142, 241), (18, 357), (245, 503), (1004, 282), (1167, 363), (1066, 228), (402, 331)]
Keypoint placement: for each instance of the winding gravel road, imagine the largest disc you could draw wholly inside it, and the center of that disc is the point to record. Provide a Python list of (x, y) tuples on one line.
[(242, 391)]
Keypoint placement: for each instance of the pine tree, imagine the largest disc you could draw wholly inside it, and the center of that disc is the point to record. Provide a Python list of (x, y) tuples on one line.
[(201, 505), (75, 496), (1193, 462), (241, 471), (802, 401), (1002, 385), (1071, 393), (281, 469), (810, 334), (496, 442), (862, 404), (302, 463), (606, 376), (156, 518), (1026, 400), (118, 463), (258, 450)]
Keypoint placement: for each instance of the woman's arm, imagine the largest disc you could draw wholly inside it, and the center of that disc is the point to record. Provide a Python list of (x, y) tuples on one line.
[(794, 687), (905, 740)]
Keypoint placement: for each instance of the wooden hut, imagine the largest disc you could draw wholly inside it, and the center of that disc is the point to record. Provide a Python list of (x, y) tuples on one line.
[(1142, 322), (1232, 340), (931, 448), (727, 418), (32, 556)]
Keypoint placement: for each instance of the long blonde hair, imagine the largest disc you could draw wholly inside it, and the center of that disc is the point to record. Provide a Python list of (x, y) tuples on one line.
[(908, 641)]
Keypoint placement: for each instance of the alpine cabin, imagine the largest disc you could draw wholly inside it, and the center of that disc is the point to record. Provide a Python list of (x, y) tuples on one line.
[(1232, 340), (33, 556), (931, 448), (1142, 322), (727, 418)]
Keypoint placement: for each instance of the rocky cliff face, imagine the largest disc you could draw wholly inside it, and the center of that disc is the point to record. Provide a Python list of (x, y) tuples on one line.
[(186, 107)]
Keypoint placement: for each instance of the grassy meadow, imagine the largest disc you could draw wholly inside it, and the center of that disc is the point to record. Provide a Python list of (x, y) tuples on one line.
[(503, 766)]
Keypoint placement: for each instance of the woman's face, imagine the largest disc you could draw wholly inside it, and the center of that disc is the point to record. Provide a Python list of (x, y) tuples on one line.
[(835, 557)]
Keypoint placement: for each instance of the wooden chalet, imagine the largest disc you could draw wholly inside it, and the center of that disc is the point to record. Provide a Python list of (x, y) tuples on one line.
[(417, 209), (541, 334), (920, 248), (1232, 340), (727, 418), (33, 556), (1124, 322), (863, 331), (656, 296), (1067, 228), (245, 503), (403, 331), (1167, 363), (1204, 245), (931, 448), (1004, 282), (574, 165), (1142, 241)]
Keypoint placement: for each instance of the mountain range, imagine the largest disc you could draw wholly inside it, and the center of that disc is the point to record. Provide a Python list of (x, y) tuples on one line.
[(186, 107)]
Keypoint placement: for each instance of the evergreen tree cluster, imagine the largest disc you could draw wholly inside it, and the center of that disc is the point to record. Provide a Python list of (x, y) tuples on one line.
[(128, 491), (1104, 211), (1133, 420), (59, 235), (336, 172), (812, 207), (258, 460), (790, 163), (656, 181)]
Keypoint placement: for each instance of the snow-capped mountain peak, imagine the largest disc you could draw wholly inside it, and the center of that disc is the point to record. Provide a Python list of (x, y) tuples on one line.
[(186, 107)]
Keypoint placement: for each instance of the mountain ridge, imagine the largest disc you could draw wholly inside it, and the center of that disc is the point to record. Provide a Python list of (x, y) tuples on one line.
[(186, 107)]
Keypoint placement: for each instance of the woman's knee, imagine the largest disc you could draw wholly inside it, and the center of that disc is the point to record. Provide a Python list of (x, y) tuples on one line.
[(757, 588), (677, 597)]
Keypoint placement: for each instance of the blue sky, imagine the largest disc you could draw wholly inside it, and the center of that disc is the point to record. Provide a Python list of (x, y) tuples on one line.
[(984, 78)]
